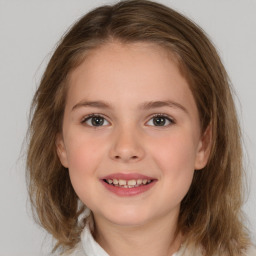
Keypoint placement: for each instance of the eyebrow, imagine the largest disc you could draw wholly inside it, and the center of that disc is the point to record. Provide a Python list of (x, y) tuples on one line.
[(144, 106), (159, 104), (95, 104)]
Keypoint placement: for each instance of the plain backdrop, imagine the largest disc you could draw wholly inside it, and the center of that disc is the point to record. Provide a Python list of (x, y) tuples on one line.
[(29, 31)]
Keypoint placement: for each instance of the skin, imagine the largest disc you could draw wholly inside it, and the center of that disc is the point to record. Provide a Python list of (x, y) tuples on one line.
[(126, 77)]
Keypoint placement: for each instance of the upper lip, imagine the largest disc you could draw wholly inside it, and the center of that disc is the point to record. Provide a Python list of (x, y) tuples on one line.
[(127, 176)]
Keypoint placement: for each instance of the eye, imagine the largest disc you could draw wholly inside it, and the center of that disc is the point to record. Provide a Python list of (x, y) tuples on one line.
[(160, 120), (95, 120)]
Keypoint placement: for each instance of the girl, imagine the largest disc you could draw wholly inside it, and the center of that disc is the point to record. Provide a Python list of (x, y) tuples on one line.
[(134, 146)]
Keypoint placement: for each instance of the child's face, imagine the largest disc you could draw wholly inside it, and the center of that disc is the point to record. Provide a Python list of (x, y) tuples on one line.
[(130, 118)]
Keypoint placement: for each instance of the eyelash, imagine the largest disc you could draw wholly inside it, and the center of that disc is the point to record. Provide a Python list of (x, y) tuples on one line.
[(85, 119), (166, 117)]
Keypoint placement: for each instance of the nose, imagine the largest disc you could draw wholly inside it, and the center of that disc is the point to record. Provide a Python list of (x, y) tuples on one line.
[(127, 146)]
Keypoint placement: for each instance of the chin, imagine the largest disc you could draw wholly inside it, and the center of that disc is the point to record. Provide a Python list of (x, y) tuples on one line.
[(128, 218), (129, 222)]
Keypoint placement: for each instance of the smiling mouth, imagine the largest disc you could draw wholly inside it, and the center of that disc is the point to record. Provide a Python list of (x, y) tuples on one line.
[(128, 183)]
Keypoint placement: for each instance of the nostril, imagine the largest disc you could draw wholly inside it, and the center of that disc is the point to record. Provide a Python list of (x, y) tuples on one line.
[(117, 157), (126, 152)]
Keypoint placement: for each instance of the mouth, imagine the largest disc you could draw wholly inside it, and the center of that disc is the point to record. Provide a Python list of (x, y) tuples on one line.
[(128, 184), (133, 183)]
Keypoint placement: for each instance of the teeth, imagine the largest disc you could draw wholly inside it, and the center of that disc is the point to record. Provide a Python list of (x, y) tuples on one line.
[(128, 183), (131, 182), (139, 181), (115, 182), (122, 182)]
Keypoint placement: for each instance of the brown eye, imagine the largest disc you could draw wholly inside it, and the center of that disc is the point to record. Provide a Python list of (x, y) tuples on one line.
[(96, 121), (160, 120)]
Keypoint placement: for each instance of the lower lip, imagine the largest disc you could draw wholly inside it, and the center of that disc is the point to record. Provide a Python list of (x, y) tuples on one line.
[(128, 191)]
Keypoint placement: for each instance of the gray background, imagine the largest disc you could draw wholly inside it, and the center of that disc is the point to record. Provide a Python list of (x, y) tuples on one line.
[(29, 31)]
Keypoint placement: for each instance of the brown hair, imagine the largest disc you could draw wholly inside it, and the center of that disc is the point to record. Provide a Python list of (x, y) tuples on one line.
[(210, 213)]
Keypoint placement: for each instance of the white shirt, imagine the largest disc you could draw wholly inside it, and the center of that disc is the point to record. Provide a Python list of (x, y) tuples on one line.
[(89, 247)]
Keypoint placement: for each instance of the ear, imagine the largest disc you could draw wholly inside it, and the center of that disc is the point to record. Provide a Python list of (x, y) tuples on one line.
[(204, 148), (61, 150)]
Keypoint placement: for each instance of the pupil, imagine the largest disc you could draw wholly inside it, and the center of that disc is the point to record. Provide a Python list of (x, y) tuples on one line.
[(159, 121), (97, 121)]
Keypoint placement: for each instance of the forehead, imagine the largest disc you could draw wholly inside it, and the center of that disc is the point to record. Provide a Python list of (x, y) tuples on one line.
[(110, 58), (128, 72)]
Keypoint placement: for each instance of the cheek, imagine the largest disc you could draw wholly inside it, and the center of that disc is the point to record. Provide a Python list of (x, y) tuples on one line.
[(177, 151), (84, 156), (175, 157)]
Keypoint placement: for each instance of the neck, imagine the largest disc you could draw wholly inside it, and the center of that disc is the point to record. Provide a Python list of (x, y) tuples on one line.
[(157, 238)]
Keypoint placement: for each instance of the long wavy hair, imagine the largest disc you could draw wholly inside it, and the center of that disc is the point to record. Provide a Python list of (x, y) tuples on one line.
[(210, 214)]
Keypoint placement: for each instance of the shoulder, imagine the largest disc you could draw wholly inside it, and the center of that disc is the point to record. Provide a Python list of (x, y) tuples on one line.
[(77, 251), (251, 251), (87, 246), (189, 250)]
